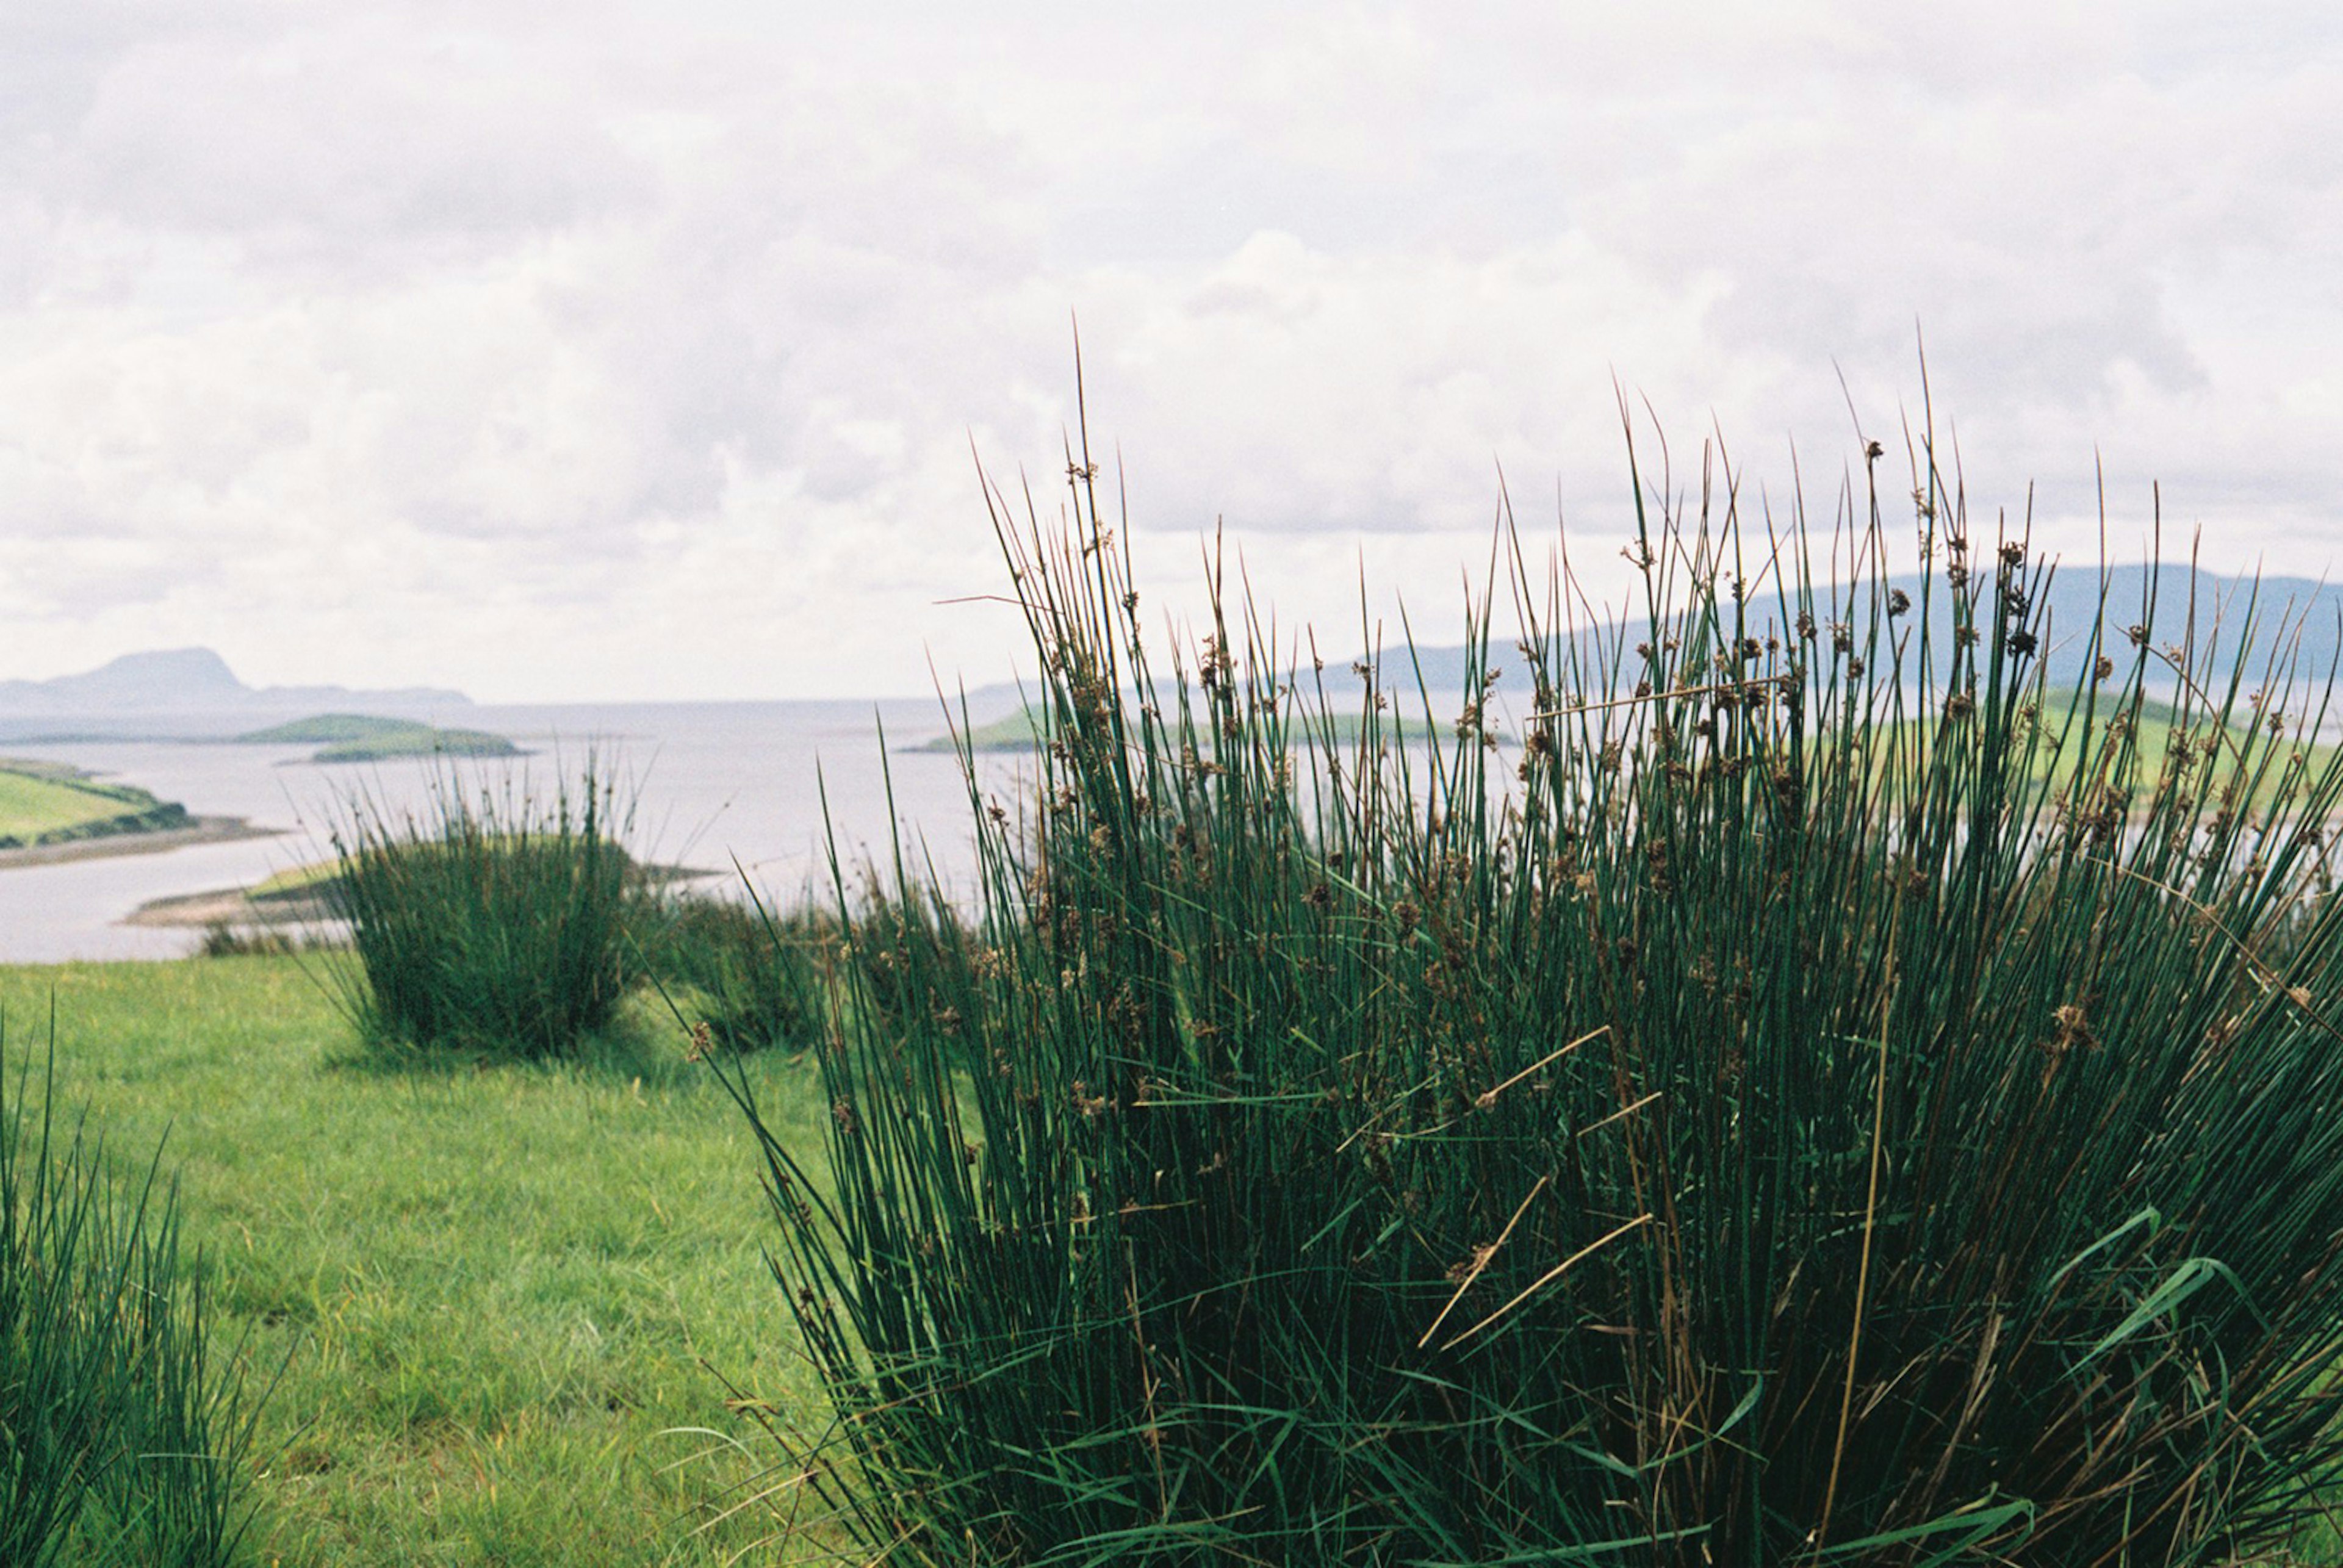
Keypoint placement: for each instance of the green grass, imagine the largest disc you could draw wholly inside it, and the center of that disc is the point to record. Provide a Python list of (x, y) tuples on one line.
[(31, 806), (40, 804), (124, 1432), (496, 1287)]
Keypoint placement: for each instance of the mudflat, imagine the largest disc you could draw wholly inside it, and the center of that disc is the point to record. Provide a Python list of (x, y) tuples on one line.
[(200, 830)]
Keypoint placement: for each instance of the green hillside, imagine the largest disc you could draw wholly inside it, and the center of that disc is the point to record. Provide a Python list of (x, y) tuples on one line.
[(46, 803)]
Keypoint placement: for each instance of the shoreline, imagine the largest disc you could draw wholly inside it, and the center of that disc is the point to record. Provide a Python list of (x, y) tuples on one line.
[(226, 907), (234, 906), (202, 830)]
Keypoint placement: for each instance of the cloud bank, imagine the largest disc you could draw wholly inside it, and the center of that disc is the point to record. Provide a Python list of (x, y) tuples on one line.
[(589, 352)]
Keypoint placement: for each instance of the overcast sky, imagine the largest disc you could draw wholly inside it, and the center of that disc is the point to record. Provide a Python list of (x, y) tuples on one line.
[(591, 350)]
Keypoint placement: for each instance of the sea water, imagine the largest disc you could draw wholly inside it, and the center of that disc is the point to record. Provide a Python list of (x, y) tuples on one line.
[(754, 792)]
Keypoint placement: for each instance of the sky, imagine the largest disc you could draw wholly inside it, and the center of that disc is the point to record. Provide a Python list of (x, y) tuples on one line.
[(617, 351)]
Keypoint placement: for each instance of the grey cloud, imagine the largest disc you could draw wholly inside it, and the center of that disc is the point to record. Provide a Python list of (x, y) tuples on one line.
[(520, 318), (344, 130)]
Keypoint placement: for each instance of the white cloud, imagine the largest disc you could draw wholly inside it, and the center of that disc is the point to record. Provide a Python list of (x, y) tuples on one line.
[(600, 351)]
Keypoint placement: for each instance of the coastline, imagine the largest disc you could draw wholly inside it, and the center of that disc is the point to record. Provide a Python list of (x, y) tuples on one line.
[(236, 907), (202, 830), (226, 907)]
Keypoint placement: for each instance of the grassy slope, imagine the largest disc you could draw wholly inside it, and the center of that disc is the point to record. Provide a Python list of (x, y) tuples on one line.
[(36, 802), (30, 807), (496, 1286)]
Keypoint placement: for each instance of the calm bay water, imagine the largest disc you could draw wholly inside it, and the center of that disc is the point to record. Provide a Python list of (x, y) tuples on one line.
[(717, 782)]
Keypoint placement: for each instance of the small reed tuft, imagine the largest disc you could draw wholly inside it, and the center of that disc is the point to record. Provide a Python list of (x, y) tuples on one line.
[(495, 921)]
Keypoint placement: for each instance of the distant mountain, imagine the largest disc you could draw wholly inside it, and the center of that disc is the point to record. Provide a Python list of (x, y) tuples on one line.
[(186, 691), (2308, 614)]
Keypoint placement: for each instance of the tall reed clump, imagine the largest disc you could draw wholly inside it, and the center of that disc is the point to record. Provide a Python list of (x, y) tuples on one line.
[(495, 921), (904, 945), (124, 1439), (1820, 1098), (751, 974)]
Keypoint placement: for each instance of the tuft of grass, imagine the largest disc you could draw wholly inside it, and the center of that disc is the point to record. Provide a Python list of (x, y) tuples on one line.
[(222, 941), (905, 949), (495, 922), (124, 1437), (1818, 1100), (753, 977)]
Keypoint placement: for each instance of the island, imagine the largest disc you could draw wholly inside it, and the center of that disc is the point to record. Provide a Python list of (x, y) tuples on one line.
[(364, 737)]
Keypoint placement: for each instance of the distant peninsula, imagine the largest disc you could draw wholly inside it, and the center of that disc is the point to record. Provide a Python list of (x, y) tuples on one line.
[(188, 693), (45, 803), (366, 737), (1018, 731), (51, 811)]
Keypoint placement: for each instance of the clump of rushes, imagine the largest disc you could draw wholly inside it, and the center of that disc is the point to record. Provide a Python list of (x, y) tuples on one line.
[(754, 977), (903, 945), (123, 1437), (1814, 1101), (495, 922)]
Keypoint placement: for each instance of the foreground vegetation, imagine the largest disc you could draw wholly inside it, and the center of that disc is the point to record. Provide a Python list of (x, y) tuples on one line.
[(124, 1432), (504, 1301), (1825, 1097), (1830, 1104)]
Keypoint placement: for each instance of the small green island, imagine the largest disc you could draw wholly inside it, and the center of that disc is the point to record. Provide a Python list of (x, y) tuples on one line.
[(364, 737), (50, 803)]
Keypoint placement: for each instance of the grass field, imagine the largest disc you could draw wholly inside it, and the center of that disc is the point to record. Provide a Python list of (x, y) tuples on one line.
[(37, 803), (491, 1290)]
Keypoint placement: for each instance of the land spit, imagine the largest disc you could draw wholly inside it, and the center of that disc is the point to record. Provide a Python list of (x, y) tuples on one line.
[(199, 830)]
